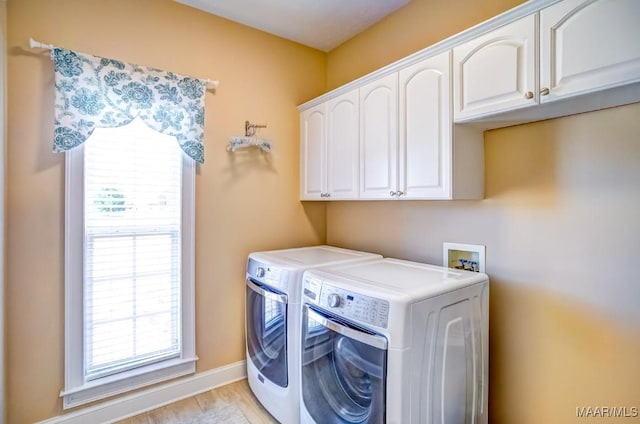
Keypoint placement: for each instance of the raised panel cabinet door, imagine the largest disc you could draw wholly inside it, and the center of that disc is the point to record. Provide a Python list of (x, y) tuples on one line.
[(379, 138), (496, 72), (588, 45), (425, 129), (313, 153), (343, 147)]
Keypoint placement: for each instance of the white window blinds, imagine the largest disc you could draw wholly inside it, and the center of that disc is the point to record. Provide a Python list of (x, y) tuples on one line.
[(132, 237)]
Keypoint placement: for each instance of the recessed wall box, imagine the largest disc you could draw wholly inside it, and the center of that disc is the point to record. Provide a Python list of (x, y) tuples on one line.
[(470, 257)]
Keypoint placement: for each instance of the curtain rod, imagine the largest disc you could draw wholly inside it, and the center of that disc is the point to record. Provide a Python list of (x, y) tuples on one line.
[(211, 84)]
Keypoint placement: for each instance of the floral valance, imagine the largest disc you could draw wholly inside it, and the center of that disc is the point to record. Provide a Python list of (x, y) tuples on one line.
[(94, 92)]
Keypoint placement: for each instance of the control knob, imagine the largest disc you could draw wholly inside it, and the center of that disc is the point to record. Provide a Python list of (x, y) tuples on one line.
[(260, 272), (334, 300)]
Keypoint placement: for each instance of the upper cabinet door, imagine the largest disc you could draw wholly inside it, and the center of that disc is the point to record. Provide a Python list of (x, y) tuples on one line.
[(425, 129), (313, 153), (497, 71), (343, 146), (588, 45), (379, 138)]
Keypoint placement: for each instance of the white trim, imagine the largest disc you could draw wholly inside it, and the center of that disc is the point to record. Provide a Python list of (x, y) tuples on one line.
[(188, 298), (127, 381), (76, 390), (526, 8), (156, 397), (74, 183)]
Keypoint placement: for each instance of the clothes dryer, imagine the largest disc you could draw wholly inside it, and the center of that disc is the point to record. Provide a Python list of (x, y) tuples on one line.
[(273, 318), (396, 342)]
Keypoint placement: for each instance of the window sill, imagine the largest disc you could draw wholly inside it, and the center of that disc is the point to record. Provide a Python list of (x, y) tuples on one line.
[(127, 381)]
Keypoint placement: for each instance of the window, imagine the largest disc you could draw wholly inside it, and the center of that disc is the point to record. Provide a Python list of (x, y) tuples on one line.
[(129, 263)]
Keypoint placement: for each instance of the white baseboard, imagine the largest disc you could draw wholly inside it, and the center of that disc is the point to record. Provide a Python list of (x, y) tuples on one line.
[(146, 400)]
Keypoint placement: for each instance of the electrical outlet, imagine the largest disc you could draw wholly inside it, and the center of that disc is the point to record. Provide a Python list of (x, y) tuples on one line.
[(470, 257)]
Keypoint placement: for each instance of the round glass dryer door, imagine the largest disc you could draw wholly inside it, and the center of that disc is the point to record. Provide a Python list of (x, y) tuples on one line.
[(267, 332), (343, 371)]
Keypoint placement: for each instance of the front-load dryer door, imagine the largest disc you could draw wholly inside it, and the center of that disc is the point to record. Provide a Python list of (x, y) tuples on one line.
[(266, 323), (343, 371)]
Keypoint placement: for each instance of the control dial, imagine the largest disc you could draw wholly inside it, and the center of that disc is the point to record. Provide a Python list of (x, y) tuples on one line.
[(334, 300), (260, 272)]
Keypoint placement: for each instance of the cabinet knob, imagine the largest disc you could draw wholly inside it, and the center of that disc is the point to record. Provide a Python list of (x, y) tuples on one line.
[(545, 92), (401, 193), (528, 95), (327, 195), (393, 193)]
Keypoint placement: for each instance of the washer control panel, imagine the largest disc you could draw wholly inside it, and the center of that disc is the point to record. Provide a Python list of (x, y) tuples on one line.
[(346, 303)]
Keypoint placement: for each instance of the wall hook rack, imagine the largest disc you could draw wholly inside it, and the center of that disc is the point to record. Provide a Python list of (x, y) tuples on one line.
[(249, 139)]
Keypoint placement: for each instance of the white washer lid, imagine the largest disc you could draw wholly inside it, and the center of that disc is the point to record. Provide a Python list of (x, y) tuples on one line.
[(312, 256), (396, 278)]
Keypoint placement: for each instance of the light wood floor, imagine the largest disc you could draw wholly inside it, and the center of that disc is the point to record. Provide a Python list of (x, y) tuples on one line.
[(230, 404)]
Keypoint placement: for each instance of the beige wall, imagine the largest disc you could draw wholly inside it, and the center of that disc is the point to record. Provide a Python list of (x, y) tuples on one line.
[(3, 135), (560, 222), (419, 24), (559, 219), (245, 201)]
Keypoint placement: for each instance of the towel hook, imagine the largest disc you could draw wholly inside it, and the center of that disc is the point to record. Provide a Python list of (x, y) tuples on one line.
[(250, 129)]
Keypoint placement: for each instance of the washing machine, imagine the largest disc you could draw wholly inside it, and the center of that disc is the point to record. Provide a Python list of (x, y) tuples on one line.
[(273, 321), (396, 342)]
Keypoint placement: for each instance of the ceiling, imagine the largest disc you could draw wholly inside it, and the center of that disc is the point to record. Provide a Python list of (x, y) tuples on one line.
[(321, 24)]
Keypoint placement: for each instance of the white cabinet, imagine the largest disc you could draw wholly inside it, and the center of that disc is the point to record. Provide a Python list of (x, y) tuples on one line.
[(407, 143), (379, 138), (391, 138), (496, 71), (313, 140), (343, 152), (424, 155), (329, 149), (391, 134), (586, 46)]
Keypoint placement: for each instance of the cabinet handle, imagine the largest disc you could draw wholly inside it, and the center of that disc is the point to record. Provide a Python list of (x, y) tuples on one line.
[(528, 95), (393, 193), (323, 194), (401, 193), (327, 195), (545, 92)]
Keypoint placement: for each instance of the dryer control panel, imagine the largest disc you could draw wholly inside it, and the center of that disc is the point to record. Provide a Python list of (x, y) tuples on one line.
[(346, 303), (264, 273)]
